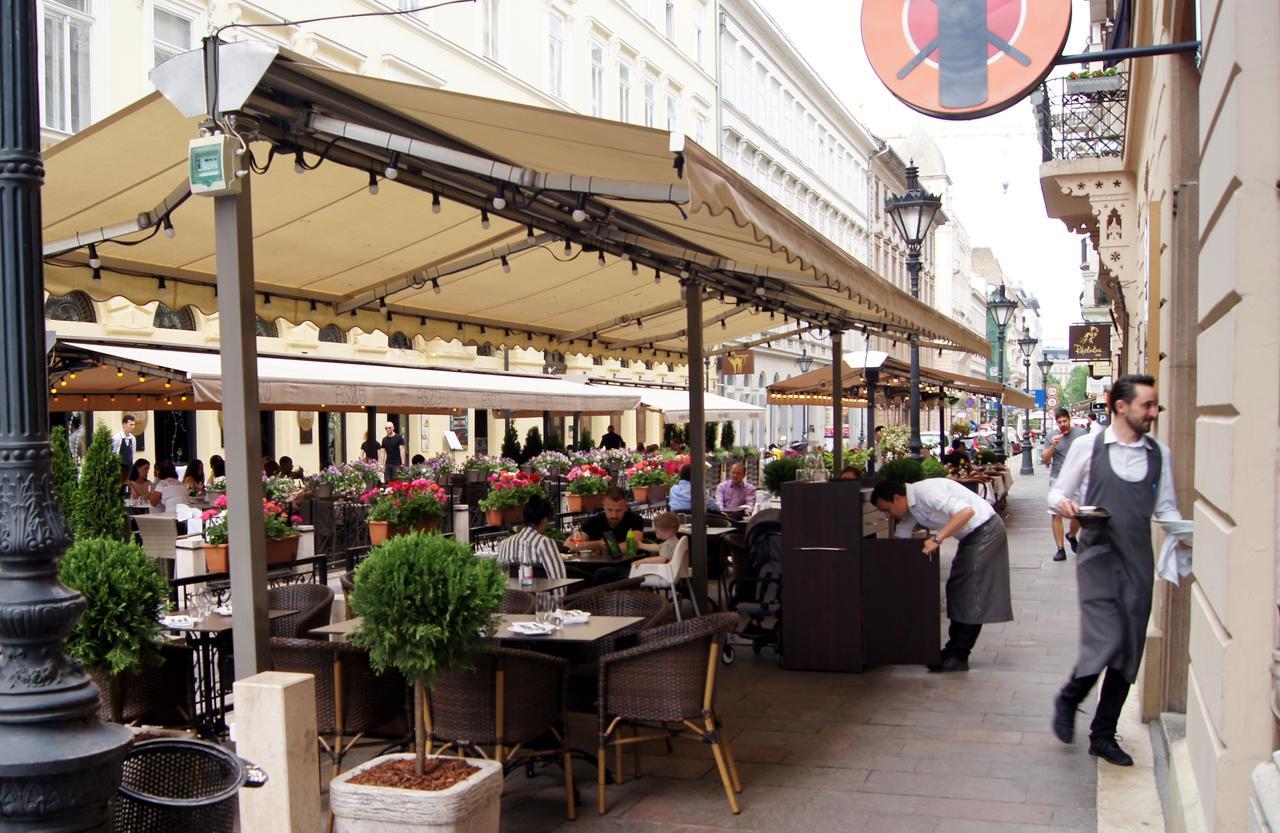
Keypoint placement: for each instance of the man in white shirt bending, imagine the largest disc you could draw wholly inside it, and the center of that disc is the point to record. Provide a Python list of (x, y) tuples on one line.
[(978, 587)]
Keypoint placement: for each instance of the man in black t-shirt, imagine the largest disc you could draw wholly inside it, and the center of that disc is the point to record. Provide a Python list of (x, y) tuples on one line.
[(607, 529), (370, 448), (391, 456), (957, 455), (611, 440)]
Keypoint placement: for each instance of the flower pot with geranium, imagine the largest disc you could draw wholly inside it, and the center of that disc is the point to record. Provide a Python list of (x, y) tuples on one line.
[(509, 491), (278, 525), (402, 506), (648, 480), (587, 485)]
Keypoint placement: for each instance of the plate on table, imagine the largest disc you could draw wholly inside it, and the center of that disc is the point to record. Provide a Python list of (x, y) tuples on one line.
[(531, 629)]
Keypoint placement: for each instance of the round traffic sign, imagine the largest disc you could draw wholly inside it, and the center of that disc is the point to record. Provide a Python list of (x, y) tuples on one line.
[(1052, 390), (1052, 401)]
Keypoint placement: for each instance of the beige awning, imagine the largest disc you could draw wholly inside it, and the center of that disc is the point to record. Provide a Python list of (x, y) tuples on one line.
[(673, 403), (185, 379), (330, 252), (814, 387)]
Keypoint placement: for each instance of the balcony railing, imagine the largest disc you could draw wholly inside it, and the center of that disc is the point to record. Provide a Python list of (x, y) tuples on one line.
[(1082, 118)]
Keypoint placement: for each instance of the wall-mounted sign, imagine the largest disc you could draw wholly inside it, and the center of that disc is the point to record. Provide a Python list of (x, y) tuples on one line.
[(963, 59), (737, 363), (458, 424), (1089, 342)]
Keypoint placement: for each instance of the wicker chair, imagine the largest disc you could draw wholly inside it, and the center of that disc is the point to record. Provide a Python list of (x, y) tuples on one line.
[(509, 702), (570, 601), (313, 603), (518, 601), (668, 679), (153, 693), (351, 699)]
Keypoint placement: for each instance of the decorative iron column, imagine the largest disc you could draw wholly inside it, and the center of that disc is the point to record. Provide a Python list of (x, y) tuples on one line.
[(59, 766)]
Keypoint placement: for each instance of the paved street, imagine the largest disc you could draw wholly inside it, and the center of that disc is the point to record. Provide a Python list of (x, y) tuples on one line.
[(887, 751)]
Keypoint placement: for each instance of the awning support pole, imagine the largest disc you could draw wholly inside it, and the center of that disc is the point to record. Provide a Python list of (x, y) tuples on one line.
[(872, 378), (697, 440), (837, 403), (233, 235), (942, 424)]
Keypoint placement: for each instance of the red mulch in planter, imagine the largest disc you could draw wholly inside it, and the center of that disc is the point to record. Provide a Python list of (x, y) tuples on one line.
[(440, 774)]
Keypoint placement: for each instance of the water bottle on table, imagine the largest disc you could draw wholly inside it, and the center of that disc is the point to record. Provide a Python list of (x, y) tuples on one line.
[(526, 569)]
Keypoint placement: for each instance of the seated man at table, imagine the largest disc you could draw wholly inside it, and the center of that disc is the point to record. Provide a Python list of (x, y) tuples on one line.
[(607, 529), (735, 495), (957, 456), (531, 541)]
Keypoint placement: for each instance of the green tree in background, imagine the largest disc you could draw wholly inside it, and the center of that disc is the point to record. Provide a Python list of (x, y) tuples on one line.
[(532, 444), (727, 437), (98, 507), (511, 443), (1075, 388), (585, 441), (553, 443), (713, 431), (65, 475)]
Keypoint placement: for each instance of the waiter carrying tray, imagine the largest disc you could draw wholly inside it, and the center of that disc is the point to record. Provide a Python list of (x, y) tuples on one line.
[(1130, 475), (978, 587)]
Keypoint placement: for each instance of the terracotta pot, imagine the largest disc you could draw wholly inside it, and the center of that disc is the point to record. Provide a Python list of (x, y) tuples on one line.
[(504, 517), (585, 503), (640, 493), (280, 551), (658, 493), (380, 531)]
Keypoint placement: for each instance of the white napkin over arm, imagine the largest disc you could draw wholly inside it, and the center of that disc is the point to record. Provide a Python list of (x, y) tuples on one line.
[(1174, 561)]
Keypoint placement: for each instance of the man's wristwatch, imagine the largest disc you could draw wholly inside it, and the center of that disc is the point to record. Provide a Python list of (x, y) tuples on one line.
[(935, 539)]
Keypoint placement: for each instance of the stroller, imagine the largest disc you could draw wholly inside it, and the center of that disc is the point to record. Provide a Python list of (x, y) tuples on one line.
[(757, 592)]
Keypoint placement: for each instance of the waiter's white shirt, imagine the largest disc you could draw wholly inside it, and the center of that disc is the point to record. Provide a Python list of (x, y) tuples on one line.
[(1128, 461), (932, 502)]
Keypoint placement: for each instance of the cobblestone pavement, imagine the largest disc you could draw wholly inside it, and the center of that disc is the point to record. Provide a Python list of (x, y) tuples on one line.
[(891, 750)]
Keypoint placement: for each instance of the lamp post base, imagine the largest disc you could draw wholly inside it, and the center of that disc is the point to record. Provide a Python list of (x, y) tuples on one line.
[(1027, 466)]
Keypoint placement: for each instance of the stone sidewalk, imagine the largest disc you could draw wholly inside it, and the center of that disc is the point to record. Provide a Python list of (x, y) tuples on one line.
[(892, 750)]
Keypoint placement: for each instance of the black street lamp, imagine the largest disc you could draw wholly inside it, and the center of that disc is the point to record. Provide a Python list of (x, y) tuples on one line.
[(913, 214), (1027, 345), (1001, 308), (59, 765), (1045, 366), (805, 363)]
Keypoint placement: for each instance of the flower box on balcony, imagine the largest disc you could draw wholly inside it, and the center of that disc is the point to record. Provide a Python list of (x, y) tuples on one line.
[(1093, 85)]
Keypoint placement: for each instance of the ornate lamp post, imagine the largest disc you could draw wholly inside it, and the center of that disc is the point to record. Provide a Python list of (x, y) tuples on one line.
[(1027, 345), (913, 214), (59, 765), (1001, 308), (1045, 366), (805, 363)]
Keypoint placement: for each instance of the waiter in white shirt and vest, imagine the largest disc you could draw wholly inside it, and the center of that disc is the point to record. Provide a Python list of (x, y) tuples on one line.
[(1130, 475), (124, 442), (978, 587)]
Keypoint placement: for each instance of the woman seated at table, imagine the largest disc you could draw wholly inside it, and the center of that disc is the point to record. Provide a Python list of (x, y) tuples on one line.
[(532, 542), (194, 476), (680, 498), (168, 491), (140, 479)]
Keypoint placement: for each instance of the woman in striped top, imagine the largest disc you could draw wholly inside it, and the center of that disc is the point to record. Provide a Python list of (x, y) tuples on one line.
[(531, 540)]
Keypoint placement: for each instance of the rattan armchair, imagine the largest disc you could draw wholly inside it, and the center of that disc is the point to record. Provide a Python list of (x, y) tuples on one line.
[(155, 692), (503, 710), (518, 601), (654, 608), (352, 700), (667, 680), (570, 600), (313, 603)]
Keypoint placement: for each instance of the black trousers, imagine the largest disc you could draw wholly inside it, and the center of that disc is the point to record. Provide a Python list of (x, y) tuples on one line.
[(961, 638), (1115, 688)]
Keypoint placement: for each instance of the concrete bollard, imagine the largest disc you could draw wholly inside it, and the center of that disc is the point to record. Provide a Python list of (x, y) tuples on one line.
[(462, 523), (276, 729)]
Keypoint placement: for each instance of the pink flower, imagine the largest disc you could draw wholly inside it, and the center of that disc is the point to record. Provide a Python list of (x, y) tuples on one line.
[(297, 519), (420, 482), (221, 502), (208, 513)]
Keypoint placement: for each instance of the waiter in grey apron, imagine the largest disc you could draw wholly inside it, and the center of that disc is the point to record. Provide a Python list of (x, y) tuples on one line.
[(1130, 475), (978, 587)]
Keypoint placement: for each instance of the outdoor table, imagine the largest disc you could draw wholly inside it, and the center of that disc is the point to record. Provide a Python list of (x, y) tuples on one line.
[(208, 638), (601, 559), (542, 585), (597, 628)]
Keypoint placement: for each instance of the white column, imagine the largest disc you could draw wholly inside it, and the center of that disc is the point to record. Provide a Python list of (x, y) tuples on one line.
[(275, 728)]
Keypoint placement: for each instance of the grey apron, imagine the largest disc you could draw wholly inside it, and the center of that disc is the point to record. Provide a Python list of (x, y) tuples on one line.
[(1116, 570), (978, 587)]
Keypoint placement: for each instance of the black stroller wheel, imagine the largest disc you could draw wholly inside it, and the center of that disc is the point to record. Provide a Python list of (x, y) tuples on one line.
[(728, 655)]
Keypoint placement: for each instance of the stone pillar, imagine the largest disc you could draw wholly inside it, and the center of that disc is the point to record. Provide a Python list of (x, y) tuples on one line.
[(276, 729), (462, 523)]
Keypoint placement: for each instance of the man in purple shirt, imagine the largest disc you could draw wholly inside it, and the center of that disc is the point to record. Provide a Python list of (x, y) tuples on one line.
[(736, 494)]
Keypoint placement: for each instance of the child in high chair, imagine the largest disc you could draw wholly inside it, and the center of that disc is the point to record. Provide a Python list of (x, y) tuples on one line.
[(665, 527)]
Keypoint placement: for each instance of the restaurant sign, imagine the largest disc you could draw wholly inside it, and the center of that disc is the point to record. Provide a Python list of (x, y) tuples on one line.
[(738, 362), (1089, 342)]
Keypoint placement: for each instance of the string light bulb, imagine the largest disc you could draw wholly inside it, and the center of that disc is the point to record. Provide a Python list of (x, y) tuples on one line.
[(119, 373), (499, 201), (299, 165), (95, 262), (657, 275), (568, 247), (435, 203), (600, 259), (580, 213), (167, 224), (373, 183), (382, 305), (635, 267), (435, 285), (484, 218), (506, 264)]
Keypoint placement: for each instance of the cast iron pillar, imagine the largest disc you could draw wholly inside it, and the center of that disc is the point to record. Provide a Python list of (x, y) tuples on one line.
[(914, 445), (59, 766)]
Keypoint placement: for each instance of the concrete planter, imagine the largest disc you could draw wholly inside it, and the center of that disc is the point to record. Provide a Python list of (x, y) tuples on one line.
[(470, 806)]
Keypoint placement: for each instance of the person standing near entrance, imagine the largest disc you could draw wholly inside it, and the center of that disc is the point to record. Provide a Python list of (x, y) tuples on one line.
[(612, 440), (124, 443), (978, 587), (1131, 476), (391, 455), (1053, 456)]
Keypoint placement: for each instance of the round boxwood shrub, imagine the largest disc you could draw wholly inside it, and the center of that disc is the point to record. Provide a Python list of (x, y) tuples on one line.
[(782, 470), (902, 470)]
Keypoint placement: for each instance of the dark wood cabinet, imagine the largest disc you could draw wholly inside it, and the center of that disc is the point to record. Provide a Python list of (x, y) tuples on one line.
[(850, 600)]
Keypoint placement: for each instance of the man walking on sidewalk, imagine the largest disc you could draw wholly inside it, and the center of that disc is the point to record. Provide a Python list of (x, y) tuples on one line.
[(1053, 456), (1130, 475), (978, 587)]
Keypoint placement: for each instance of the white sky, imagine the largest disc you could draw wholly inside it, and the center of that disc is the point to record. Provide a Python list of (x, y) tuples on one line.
[(981, 154)]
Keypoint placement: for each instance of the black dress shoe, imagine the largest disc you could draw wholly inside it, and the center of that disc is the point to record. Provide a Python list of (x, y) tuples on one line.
[(1075, 544), (1060, 555), (1108, 750), (1064, 720), (948, 664)]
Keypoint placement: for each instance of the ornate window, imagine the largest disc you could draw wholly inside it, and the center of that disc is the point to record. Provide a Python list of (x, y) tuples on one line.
[(333, 334), (484, 350), (167, 318), (74, 306), (399, 341), (267, 329)]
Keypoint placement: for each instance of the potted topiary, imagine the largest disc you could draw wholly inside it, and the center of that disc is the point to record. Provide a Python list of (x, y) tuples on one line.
[(98, 508), (903, 470), (282, 538), (119, 633), (65, 476), (402, 506), (509, 491), (426, 604), (777, 472), (587, 485)]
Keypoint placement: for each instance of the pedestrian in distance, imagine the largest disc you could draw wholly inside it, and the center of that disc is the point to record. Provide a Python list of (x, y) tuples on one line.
[(1053, 455), (1130, 474), (391, 453)]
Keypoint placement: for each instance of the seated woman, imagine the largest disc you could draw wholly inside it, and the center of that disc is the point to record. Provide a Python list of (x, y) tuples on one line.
[(217, 466), (680, 498), (140, 479), (532, 542), (168, 491), (194, 476)]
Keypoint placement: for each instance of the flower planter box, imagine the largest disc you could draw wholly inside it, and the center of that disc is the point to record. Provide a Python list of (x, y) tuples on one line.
[(585, 503), (649, 494), (1093, 85), (641, 493), (380, 531), (504, 517), (470, 806), (280, 551)]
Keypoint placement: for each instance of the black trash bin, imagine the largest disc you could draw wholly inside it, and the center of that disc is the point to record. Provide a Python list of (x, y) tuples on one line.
[(175, 784)]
